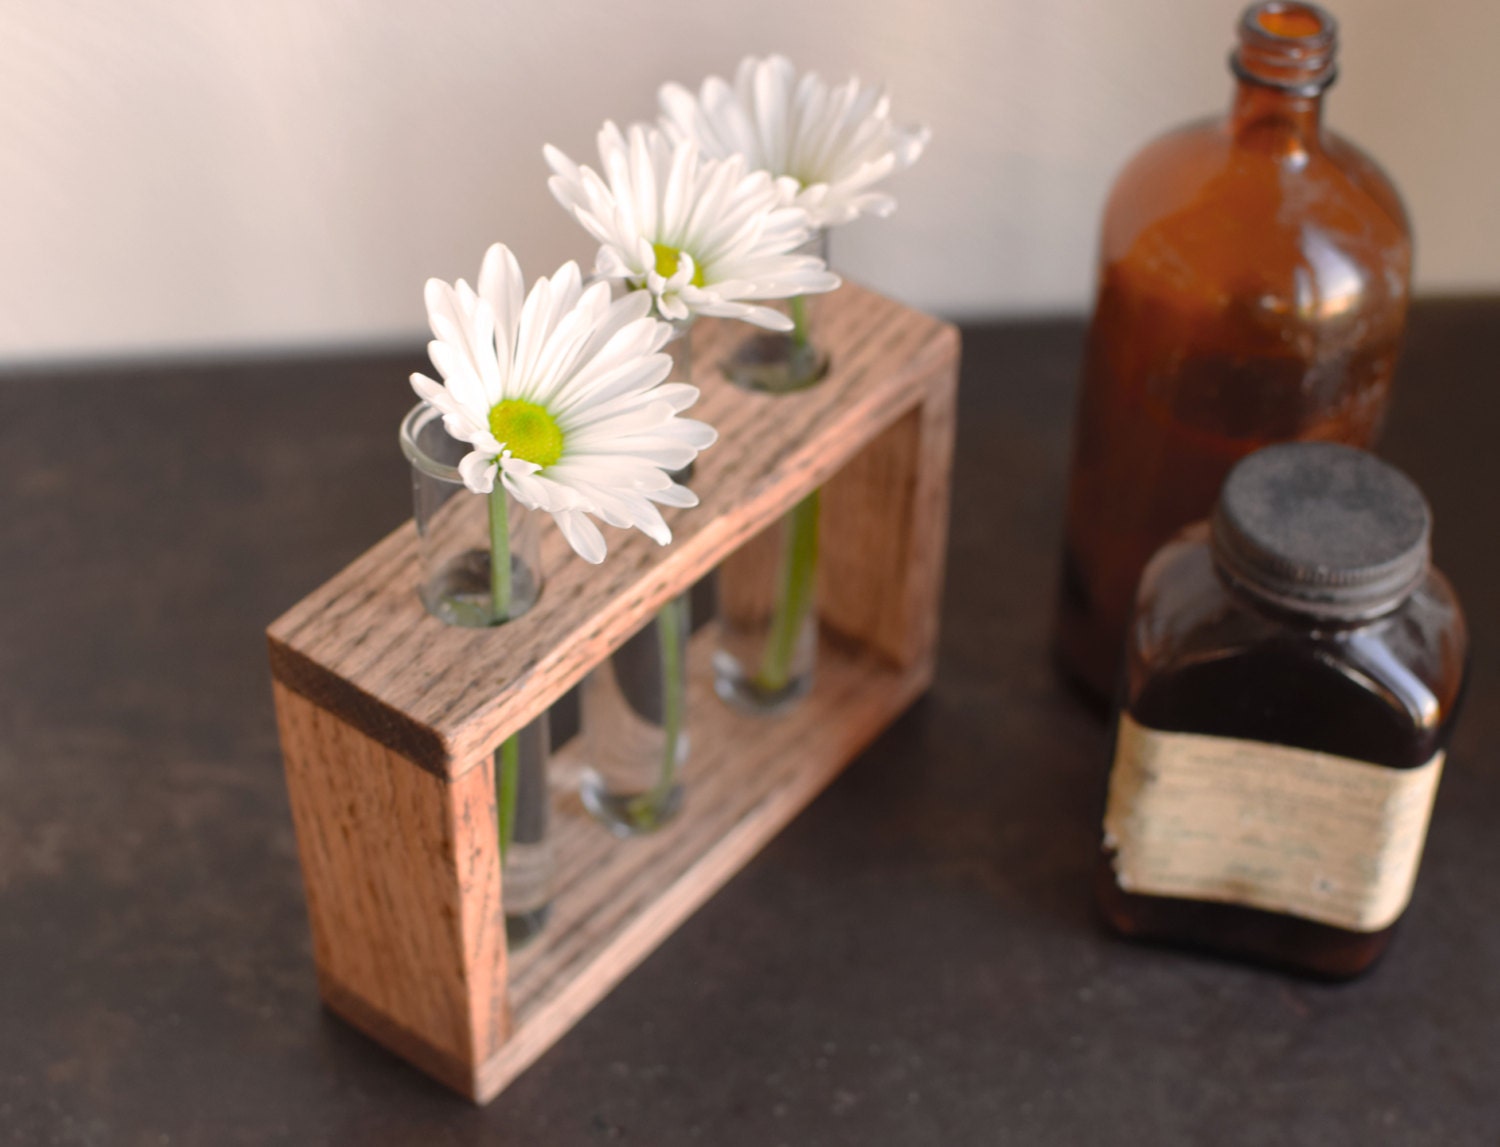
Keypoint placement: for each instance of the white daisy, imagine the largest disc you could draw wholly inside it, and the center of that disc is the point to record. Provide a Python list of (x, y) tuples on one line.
[(704, 237), (561, 392), (836, 142)]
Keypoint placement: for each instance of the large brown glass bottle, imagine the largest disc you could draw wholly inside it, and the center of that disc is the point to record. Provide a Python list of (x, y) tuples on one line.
[(1253, 289)]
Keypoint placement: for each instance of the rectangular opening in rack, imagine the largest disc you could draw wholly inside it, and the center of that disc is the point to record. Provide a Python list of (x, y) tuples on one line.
[(617, 899), (747, 775)]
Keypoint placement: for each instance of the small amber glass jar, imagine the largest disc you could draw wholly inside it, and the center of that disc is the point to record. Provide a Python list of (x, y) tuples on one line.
[(1293, 670), (1253, 282)]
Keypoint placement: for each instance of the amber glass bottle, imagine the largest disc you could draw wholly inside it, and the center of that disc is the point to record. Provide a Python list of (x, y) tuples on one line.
[(1253, 289), (1293, 672)]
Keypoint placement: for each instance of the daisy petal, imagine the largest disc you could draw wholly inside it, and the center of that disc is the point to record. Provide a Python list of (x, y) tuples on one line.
[(701, 233), (478, 471), (832, 142), (582, 535), (592, 428)]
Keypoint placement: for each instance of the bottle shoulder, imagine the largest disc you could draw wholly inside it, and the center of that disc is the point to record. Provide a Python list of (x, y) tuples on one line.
[(1204, 201), (1363, 172), (1202, 657)]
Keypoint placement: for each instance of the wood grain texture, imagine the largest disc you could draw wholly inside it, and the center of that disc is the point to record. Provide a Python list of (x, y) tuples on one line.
[(402, 875), (362, 647), (884, 533)]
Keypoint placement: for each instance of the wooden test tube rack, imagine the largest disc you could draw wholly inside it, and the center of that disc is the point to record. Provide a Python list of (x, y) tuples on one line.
[(389, 719)]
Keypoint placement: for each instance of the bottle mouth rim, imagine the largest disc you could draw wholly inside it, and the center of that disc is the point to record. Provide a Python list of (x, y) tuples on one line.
[(1272, 54), (1253, 23), (418, 419)]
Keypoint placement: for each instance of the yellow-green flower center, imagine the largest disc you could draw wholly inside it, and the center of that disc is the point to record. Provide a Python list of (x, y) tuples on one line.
[(527, 430), (668, 260)]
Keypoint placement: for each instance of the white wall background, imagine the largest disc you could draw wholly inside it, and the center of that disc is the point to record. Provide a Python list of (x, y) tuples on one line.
[(190, 175)]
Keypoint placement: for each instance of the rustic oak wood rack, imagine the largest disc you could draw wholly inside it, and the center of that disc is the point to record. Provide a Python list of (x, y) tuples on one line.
[(389, 719)]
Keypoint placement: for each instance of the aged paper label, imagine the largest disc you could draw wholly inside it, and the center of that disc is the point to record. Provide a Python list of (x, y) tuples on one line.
[(1267, 826)]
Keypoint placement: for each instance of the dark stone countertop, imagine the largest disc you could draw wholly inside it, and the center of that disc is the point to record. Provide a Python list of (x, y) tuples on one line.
[(916, 960)]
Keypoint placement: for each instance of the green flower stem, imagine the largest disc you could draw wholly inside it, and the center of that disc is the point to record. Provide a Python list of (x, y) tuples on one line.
[(507, 782), (669, 622), (508, 775), (794, 590), (499, 555), (797, 305)]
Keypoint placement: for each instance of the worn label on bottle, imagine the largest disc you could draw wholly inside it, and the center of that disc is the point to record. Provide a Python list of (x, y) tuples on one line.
[(1286, 830)]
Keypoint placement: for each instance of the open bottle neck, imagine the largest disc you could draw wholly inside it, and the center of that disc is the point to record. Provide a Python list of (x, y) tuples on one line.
[(1285, 60)]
